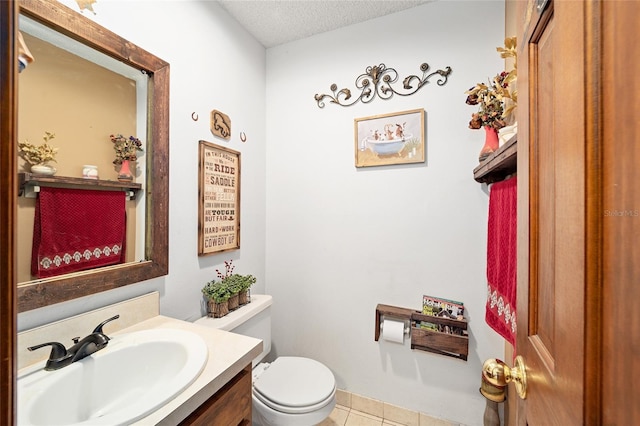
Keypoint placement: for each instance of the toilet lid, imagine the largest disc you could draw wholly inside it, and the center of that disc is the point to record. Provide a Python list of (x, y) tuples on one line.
[(295, 385)]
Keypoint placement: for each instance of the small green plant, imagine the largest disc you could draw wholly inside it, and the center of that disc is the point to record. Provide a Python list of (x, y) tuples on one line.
[(229, 284), (216, 291), (238, 283), (40, 154)]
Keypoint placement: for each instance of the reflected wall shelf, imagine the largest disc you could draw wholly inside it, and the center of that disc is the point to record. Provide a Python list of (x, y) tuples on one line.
[(500, 164), (30, 183)]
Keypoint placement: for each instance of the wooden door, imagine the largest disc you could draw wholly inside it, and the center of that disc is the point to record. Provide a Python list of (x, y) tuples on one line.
[(578, 212), (552, 212), (620, 100)]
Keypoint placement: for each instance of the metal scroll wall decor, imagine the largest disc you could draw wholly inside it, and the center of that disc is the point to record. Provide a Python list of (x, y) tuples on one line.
[(378, 80)]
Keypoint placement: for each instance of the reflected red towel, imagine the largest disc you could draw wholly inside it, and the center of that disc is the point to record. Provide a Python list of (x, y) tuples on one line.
[(76, 229), (501, 259)]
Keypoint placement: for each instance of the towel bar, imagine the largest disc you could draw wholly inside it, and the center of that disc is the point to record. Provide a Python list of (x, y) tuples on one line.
[(29, 184)]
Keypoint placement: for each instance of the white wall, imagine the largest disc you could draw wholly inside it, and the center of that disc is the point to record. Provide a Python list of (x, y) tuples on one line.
[(329, 241), (340, 240), (215, 64)]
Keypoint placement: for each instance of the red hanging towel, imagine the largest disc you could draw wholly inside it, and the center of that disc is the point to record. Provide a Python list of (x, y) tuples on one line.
[(77, 229), (501, 259)]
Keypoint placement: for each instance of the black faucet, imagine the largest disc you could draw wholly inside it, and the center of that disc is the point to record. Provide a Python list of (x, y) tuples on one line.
[(61, 357)]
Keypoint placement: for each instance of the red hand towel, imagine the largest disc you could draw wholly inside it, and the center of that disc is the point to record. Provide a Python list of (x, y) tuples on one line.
[(501, 259), (77, 229)]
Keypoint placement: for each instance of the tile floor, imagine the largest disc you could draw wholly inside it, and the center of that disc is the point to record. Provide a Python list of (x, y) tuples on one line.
[(355, 410), (345, 416)]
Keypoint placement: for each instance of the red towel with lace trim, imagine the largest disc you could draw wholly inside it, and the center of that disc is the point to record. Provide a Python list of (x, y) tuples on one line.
[(77, 229), (501, 259)]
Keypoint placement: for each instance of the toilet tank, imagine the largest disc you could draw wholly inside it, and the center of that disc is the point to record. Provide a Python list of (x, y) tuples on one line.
[(252, 319)]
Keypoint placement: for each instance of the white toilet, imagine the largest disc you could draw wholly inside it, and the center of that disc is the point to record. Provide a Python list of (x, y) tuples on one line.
[(290, 391)]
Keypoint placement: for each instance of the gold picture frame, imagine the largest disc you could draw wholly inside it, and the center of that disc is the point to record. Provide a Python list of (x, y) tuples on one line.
[(219, 199), (395, 138)]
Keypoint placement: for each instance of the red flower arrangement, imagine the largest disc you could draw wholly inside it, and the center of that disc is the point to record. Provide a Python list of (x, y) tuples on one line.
[(126, 148)]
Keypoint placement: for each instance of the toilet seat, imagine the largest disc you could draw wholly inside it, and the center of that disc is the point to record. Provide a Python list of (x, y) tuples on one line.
[(294, 385)]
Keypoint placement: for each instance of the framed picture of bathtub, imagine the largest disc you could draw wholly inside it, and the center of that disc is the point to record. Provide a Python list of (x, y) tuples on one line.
[(219, 199), (395, 138)]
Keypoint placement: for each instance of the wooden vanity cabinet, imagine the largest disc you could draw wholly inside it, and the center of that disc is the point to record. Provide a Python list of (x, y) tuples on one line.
[(231, 405)]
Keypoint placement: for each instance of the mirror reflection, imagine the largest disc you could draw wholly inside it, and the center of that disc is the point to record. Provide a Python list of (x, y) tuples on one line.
[(82, 97), (96, 84)]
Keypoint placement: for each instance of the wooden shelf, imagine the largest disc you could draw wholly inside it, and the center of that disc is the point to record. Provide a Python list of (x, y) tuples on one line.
[(29, 181), (500, 164)]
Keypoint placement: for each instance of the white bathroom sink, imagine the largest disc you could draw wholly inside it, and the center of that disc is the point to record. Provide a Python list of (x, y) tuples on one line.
[(133, 376)]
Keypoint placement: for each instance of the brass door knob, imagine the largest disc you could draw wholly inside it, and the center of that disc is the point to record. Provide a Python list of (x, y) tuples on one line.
[(499, 374)]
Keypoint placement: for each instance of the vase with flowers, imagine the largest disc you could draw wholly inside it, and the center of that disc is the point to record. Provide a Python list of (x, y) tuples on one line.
[(38, 156), (496, 101), (126, 151)]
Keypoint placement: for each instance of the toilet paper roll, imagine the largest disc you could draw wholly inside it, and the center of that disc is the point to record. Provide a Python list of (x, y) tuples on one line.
[(393, 331)]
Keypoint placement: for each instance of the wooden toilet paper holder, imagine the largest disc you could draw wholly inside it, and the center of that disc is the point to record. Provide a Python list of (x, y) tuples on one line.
[(453, 345)]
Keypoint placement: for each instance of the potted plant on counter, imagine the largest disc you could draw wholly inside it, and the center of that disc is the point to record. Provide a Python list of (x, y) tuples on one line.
[(217, 294), (233, 288), (238, 285), (234, 300)]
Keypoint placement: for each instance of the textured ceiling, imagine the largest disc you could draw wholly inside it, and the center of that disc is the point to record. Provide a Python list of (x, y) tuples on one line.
[(274, 22)]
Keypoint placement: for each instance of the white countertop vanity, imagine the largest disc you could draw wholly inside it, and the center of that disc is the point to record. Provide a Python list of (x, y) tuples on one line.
[(219, 394)]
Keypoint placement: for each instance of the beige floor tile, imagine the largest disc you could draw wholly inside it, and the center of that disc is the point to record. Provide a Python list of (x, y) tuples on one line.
[(386, 422), (426, 420), (362, 419), (400, 415), (338, 417), (356, 410), (367, 405), (343, 398)]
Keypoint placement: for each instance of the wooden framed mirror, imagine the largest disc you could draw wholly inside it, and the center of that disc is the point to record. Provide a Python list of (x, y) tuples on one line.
[(151, 260)]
